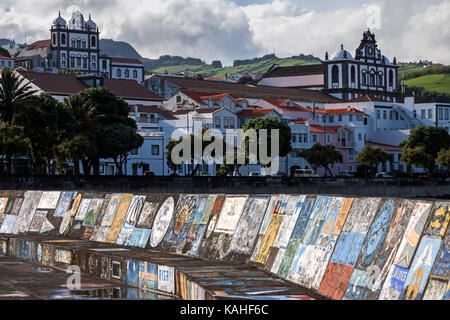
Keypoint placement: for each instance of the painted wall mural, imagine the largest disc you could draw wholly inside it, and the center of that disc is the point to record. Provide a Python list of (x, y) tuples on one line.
[(343, 248)]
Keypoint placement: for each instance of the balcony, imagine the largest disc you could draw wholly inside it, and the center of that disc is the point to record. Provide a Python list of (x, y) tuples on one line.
[(344, 144), (147, 120)]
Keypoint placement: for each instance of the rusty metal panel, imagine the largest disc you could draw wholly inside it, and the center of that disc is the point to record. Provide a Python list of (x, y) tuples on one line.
[(420, 269), (119, 217), (335, 280), (439, 219), (130, 220)]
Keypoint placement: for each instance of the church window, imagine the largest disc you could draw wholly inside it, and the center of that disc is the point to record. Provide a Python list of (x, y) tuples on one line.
[(127, 73), (93, 42), (380, 79), (73, 43), (372, 79), (85, 62), (364, 77), (63, 39), (119, 73), (353, 74), (78, 61), (78, 43), (335, 74), (72, 62), (135, 74), (54, 39), (83, 44), (391, 78)]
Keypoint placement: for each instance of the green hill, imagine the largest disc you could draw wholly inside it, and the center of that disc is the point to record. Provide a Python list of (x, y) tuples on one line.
[(433, 82), (257, 65)]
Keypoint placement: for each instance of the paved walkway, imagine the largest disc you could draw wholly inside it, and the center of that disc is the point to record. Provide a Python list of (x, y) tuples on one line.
[(22, 280)]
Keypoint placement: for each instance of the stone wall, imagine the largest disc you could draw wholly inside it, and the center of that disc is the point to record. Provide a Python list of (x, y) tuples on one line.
[(340, 247)]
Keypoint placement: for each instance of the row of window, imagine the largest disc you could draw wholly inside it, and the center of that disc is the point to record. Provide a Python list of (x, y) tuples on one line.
[(372, 78), (300, 138), (78, 61), (228, 123), (393, 115), (154, 148), (126, 73), (340, 118), (76, 43), (8, 63)]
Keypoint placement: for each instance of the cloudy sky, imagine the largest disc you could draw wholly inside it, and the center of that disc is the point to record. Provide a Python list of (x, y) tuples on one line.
[(239, 29)]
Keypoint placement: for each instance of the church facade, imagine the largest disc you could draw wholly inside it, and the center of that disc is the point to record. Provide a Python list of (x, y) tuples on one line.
[(343, 75), (75, 45), (368, 73)]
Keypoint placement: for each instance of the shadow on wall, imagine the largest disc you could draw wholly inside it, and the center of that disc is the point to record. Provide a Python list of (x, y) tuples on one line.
[(341, 247)]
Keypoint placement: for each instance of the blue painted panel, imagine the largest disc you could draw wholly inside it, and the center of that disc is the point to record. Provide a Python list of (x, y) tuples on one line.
[(132, 272), (357, 286), (377, 233), (139, 237), (348, 248), (420, 270)]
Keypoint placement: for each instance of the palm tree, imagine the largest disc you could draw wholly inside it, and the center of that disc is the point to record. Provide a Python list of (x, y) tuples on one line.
[(14, 92), (87, 125)]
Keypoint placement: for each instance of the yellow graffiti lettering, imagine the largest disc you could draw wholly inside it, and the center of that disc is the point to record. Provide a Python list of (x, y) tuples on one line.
[(435, 224), (439, 212), (414, 285)]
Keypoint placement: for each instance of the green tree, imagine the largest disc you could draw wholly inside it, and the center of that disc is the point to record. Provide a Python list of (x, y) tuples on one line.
[(204, 144), (13, 142), (443, 159), (373, 157), (46, 123), (418, 157), (121, 139), (430, 141), (269, 123), (14, 93), (322, 156), (4, 52)]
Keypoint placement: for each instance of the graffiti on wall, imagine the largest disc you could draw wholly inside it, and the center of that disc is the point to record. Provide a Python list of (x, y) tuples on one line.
[(162, 222)]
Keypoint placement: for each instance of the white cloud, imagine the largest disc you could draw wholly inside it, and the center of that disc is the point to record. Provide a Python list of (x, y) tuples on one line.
[(220, 29)]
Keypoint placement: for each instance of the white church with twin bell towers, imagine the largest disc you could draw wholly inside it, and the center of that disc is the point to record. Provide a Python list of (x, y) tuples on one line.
[(343, 75), (75, 47)]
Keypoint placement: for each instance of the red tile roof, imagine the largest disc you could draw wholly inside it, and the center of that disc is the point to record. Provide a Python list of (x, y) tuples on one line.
[(254, 112), (200, 110), (127, 61), (300, 121), (250, 91), (40, 44), (5, 58), (60, 84), (293, 106), (196, 96), (385, 147), (321, 129), (296, 71), (158, 110), (367, 98), (340, 111)]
